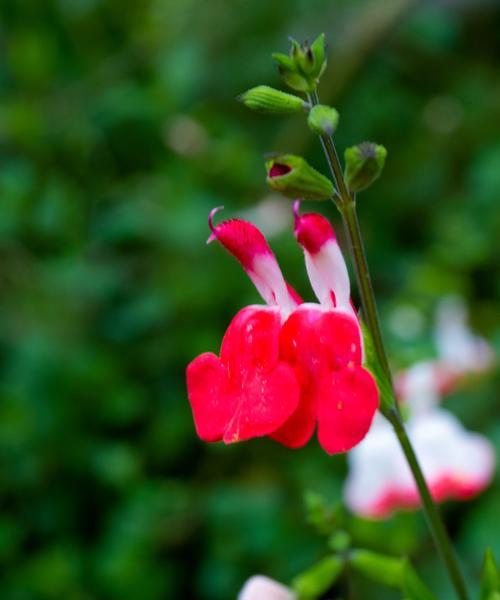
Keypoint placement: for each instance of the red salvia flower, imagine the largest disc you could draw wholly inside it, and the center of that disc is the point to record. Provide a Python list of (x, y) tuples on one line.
[(248, 391), (287, 367), (323, 342)]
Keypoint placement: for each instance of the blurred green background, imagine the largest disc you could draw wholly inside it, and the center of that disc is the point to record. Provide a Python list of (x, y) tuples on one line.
[(118, 133)]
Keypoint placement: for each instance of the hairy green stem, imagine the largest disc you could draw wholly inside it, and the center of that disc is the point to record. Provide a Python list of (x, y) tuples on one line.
[(346, 203)]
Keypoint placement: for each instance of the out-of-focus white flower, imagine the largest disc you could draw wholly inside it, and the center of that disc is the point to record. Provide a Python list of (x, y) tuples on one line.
[(457, 464), (457, 345), (260, 587), (377, 473)]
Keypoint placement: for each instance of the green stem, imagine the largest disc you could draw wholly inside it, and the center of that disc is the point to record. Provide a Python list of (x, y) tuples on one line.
[(347, 206), (370, 313), (438, 530)]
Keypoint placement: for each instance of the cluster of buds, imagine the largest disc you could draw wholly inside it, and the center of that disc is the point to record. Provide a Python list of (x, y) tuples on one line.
[(301, 70)]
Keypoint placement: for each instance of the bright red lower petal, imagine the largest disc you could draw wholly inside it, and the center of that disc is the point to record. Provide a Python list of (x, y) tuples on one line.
[(208, 394), (299, 428), (248, 392), (265, 400), (346, 409)]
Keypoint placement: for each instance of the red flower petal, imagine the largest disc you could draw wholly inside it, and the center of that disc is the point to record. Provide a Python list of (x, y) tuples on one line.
[(248, 392), (247, 244), (212, 406), (265, 400), (298, 429), (242, 239), (346, 409), (312, 231), (252, 340), (315, 341)]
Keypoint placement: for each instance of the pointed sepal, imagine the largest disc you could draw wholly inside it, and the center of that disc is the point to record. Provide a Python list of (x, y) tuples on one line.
[(490, 578)]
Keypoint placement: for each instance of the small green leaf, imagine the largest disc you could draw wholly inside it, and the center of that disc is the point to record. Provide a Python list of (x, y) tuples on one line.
[(315, 581), (386, 570), (490, 577), (284, 61), (412, 586)]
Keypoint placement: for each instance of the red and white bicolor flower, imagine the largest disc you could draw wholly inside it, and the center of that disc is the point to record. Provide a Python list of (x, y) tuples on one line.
[(324, 343), (286, 367), (249, 390), (456, 463)]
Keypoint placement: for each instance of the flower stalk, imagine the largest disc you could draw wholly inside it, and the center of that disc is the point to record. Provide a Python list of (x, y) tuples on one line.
[(346, 203)]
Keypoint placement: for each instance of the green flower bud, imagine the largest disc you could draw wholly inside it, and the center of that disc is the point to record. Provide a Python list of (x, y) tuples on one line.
[(364, 163), (267, 100), (294, 177), (386, 570), (304, 66), (323, 119)]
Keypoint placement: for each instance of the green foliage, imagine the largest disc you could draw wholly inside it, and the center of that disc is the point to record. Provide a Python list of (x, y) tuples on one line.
[(391, 572), (310, 584), (490, 578)]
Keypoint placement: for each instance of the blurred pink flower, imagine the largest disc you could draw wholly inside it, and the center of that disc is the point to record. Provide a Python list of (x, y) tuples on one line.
[(260, 587)]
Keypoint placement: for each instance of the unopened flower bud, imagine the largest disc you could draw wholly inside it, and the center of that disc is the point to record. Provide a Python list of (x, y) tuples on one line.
[(364, 164), (294, 177), (303, 67), (323, 119), (267, 100)]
